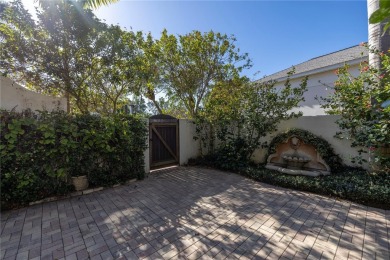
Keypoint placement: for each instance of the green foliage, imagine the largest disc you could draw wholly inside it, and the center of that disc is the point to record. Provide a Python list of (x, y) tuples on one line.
[(69, 52), (321, 145), (116, 70), (228, 157), (95, 4), (359, 102), (187, 67), (382, 14), (40, 152), (239, 114), (353, 184)]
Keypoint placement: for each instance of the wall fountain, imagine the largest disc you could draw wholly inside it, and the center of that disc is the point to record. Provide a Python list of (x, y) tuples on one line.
[(296, 157)]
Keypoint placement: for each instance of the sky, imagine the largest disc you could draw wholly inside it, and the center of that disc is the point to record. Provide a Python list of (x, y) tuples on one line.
[(275, 34)]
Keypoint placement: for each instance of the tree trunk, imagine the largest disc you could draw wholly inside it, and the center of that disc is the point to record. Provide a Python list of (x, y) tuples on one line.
[(157, 106), (376, 38), (211, 139), (67, 102)]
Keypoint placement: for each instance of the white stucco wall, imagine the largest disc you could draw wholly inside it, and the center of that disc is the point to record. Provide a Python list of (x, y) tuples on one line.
[(315, 120), (14, 96), (319, 84), (322, 126), (189, 148)]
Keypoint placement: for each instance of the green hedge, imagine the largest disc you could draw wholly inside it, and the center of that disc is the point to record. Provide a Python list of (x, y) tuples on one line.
[(40, 152)]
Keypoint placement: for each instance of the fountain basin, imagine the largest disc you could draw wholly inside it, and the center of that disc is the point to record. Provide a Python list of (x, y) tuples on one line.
[(295, 161), (294, 156), (312, 173)]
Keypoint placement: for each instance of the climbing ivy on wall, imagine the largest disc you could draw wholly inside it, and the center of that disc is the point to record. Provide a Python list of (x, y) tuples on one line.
[(322, 146)]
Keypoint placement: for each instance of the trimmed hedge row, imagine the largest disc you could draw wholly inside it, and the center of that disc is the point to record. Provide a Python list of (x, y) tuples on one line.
[(40, 152)]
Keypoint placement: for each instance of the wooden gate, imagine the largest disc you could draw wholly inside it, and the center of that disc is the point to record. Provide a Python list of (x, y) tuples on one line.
[(163, 141)]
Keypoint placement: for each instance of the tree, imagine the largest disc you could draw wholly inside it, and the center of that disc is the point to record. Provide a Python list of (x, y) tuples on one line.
[(68, 51), (378, 39), (150, 73), (17, 41), (364, 122), (94, 4), (55, 52), (115, 74), (244, 112), (186, 68), (97, 3)]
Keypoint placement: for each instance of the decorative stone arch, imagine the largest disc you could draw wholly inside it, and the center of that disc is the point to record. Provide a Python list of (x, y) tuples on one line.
[(299, 152)]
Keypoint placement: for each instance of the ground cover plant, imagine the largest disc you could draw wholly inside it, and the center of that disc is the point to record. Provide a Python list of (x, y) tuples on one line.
[(40, 152), (354, 184)]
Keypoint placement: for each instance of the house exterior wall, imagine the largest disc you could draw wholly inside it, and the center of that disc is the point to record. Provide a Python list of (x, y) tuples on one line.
[(14, 96), (319, 84)]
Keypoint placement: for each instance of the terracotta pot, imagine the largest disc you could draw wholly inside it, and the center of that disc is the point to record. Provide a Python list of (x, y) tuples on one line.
[(80, 182)]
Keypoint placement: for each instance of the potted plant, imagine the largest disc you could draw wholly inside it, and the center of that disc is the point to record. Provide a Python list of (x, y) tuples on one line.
[(79, 169), (80, 182)]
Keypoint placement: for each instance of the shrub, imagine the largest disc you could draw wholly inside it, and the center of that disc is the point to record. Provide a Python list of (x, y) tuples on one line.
[(40, 152), (237, 116), (361, 103)]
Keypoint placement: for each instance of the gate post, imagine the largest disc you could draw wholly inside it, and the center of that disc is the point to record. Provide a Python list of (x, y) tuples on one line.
[(189, 147), (147, 150)]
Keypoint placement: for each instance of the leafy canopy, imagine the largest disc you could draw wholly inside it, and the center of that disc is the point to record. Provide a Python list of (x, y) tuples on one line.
[(68, 51), (187, 67), (240, 114), (94, 4)]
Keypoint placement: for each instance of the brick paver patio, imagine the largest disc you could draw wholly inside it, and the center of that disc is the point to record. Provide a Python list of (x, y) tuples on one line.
[(191, 213)]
